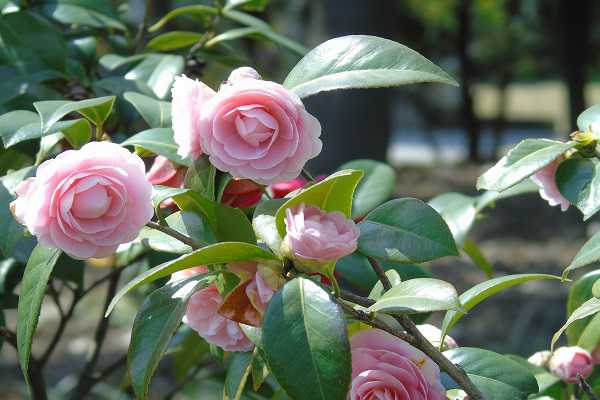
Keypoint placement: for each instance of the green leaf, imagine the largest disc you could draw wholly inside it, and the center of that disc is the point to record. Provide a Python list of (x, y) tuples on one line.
[(417, 296), (200, 177), (219, 253), (376, 187), (524, 160), (158, 141), (198, 10), (588, 118), (77, 132), (173, 40), (579, 181), (259, 33), (95, 110), (579, 293), (458, 211), (245, 18), (154, 325), (114, 61), (248, 5), (240, 365), (588, 254), (304, 335), (263, 223), (83, 12), (11, 232), (590, 307), (472, 250), (395, 280), (590, 337), (544, 378), (158, 71), (187, 223), (37, 272), (360, 61), (12, 126), (156, 113), (407, 231), (485, 290), (496, 376), (333, 193), (596, 289)]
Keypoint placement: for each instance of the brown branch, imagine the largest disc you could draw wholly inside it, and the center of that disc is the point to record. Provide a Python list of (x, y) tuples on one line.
[(380, 274), (175, 234), (587, 389)]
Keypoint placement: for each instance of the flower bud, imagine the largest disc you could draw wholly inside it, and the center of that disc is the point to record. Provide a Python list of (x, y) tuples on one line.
[(241, 193), (242, 73), (540, 358), (164, 172), (545, 179), (434, 335), (281, 189), (568, 363), (316, 237)]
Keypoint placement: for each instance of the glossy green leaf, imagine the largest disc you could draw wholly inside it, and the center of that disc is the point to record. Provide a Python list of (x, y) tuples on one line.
[(245, 19), (196, 10), (240, 365), (596, 289), (590, 336), (187, 223), (33, 287), (201, 177), (113, 61), (395, 280), (248, 5), (545, 379), (588, 119), (158, 71), (12, 126), (83, 12), (496, 376), (485, 290), (156, 113), (304, 335), (11, 232), (580, 292), (333, 193), (158, 141), (590, 307), (524, 160), (77, 132), (376, 187), (458, 211), (219, 253), (173, 40), (259, 33), (579, 182), (263, 223), (154, 325), (95, 110), (417, 296), (588, 254), (361, 61), (472, 250), (407, 231)]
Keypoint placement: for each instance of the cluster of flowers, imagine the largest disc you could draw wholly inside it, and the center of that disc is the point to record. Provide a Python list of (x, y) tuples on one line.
[(568, 363), (89, 201)]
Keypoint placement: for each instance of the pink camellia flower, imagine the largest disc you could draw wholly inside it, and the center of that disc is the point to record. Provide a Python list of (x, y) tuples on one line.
[(241, 193), (202, 316), (570, 362), (540, 358), (545, 180), (386, 367), (317, 236), (86, 202), (281, 189), (251, 128), (164, 172), (263, 285)]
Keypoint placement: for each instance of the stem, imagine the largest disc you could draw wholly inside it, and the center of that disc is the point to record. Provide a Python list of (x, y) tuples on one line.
[(175, 234), (139, 36), (587, 389), (380, 274), (425, 346), (99, 132), (185, 381), (86, 380)]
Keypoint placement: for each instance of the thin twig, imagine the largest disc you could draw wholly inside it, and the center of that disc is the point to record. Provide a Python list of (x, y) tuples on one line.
[(380, 274), (175, 234), (189, 378), (587, 389), (110, 369)]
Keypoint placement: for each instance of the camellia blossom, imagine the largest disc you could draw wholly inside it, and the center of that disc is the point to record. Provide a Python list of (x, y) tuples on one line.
[(86, 202), (164, 172), (282, 189), (318, 236), (386, 367), (251, 128), (241, 193), (545, 180), (570, 362), (202, 316)]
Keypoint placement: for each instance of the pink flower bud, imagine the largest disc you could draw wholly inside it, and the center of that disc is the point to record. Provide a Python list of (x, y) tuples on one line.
[(541, 358), (545, 180), (241, 193), (242, 73), (164, 172), (86, 202), (315, 237), (281, 189), (570, 362)]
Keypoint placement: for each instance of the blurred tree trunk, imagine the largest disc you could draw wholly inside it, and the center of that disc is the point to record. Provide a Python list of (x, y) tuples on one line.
[(469, 119), (356, 123), (575, 23)]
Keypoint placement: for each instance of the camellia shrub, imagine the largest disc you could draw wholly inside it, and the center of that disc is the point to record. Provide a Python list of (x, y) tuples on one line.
[(252, 274)]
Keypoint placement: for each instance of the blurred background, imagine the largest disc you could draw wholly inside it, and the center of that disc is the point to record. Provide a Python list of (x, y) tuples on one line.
[(526, 68)]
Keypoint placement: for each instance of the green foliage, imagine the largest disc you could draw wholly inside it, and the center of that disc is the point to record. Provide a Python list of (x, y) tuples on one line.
[(304, 335), (158, 141), (579, 293)]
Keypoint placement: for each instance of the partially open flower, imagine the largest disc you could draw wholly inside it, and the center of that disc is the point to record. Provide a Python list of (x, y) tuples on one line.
[(568, 363), (545, 179), (316, 237)]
